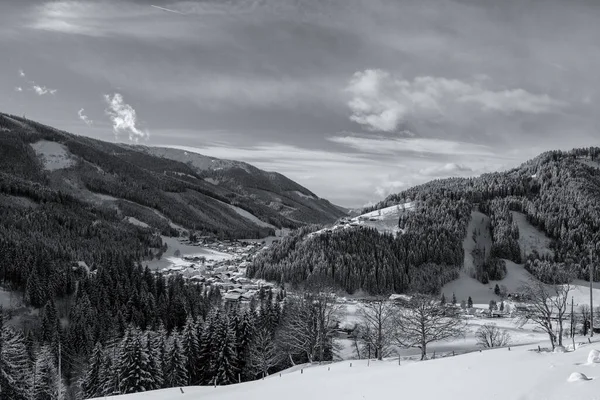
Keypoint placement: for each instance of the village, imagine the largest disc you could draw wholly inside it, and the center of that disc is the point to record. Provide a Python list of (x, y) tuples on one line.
[(215, 263)]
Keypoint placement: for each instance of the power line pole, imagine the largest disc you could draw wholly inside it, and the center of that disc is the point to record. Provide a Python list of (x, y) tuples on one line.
[(591, 292), (572, 322)]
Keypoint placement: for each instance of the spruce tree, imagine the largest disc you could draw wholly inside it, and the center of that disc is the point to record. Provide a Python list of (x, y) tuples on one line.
[(225, 357), (191, 348), (92, 384), (15, 370), (134, 365), (176, 371), (443, 300), (46, 384), (207, 348), (470, 302)]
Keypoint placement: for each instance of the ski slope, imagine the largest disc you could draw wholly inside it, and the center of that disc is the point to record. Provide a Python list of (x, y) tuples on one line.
[(521, 373)]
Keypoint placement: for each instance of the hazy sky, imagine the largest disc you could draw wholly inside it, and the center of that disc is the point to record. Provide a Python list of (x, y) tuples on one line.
[(353, 99)]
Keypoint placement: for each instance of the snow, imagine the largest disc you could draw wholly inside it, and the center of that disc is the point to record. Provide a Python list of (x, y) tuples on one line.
[(593, 357), (169, 260), (304, 196), (478, 237), (385, 220), (251, 217), (531, 238), (137, 222), (54, 155), (518, 373)]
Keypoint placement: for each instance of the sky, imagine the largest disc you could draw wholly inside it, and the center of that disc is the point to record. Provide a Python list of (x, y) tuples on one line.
[(352, 99)]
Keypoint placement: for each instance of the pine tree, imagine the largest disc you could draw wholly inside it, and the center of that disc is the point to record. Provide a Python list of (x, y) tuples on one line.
[(134, 366), (225, 357), (153, 364), (207, 348), (470, 302), (191, 348), (245, 336), (46, 384), (497, 290), (176, 371), (443, 300), (15, 371), (92, 384), (453, 298)]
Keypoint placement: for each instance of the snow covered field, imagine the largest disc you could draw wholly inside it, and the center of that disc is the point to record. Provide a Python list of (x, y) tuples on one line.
[(521, 373), (54, 155), (169, 259)]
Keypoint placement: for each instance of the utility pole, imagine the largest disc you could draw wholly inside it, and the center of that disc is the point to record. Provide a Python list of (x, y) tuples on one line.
[(572, 322), (591, 292)]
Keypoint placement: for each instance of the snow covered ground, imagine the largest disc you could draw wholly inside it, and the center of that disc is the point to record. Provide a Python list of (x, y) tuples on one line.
[(251, 217), (385, 220), (531, 238), (521, 373), (169, 259), (53, 155)]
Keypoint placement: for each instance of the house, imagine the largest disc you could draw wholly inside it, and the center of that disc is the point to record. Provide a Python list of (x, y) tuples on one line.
[(232, 296)]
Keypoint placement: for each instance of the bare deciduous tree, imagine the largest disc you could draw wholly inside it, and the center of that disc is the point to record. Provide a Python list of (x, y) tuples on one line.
[(548, 303), (422, 321), (377, 325), (263, 353), (309, 324), (489, 335)]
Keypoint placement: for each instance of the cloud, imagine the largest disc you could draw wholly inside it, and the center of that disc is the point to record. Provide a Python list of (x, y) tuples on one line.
[(123, 117), (19, 89), (21, 73), (381, 102), (395, 146), (84, 117), (449, 169), (167, 9), (42, 90)]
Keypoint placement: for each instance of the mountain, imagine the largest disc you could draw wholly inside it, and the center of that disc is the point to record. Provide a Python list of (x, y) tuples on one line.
[(556, 193), (66, 198), (272, 196)]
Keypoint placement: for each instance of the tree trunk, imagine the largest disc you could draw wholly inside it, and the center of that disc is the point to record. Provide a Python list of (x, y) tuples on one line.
[(423, 351)]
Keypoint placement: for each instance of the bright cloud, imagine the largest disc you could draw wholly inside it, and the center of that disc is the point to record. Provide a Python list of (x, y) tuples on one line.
[(21, 73), (381, 102), (42, 90), (19, 89), (84, 117), (123, 117)]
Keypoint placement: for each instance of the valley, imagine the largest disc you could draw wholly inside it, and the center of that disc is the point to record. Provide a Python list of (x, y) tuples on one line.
[(215, 272)]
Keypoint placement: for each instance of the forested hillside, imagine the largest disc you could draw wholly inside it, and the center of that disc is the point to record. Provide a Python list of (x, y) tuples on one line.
[(558, 192), (66, 200)]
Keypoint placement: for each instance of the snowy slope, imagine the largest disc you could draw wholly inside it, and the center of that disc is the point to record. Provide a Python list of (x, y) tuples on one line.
[(496, 374), (53, 155), (385, 220)]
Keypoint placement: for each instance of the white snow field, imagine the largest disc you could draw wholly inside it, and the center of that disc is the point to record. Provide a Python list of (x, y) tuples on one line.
[(53, 155), (521, 373), (169, 259), (385, 220), (531, 238)]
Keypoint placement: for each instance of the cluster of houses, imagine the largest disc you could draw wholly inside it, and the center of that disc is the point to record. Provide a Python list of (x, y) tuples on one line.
[(228, 273)]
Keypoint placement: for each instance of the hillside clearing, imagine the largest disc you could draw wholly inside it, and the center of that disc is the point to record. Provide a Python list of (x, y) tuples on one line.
[(54, 155), (530, 237)]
